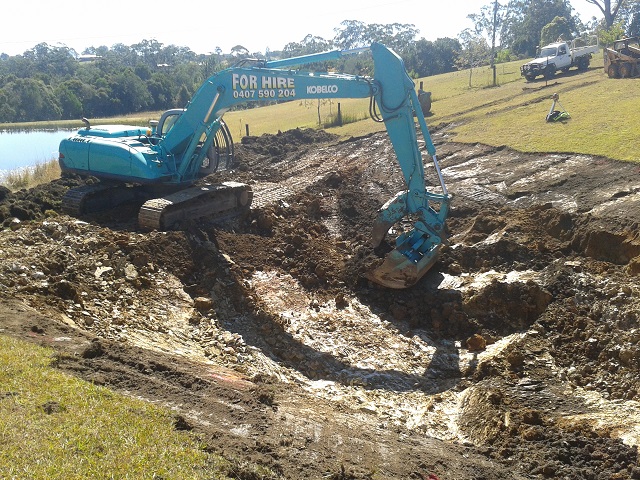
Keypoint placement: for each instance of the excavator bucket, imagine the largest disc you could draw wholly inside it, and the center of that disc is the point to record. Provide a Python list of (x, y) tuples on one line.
[(399, 271), (416, 250)]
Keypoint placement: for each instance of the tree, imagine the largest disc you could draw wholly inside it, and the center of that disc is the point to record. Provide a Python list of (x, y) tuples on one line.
[(161, 89), (356, 34), (396, 36), (475, 51), (143, 71), (628, 18), (131, 92), (7, 111), (148, 51), (525, 20), (633, 20), (124, 79), (48, 61), (350, 34), (308, 45), (31, 99), (74, 97), (558, 28), (608, 10), (489, 22), (446, 53), (210, 65), (183, 97), (69, 103), (239, 51), (100, 104), (123, 55), (432, 58), (421, 60)]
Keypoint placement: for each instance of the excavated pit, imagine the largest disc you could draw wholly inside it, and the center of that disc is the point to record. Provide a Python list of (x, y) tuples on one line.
[(516, 356)]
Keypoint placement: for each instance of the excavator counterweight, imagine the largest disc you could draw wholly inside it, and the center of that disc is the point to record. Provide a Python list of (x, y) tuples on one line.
[(188, 144)]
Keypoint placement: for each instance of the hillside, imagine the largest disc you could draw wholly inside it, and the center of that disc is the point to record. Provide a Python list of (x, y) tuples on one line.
[(511, 114)]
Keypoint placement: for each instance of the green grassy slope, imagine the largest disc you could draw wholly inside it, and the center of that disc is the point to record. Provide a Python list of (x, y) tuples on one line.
[(603, 111), (53, 426)]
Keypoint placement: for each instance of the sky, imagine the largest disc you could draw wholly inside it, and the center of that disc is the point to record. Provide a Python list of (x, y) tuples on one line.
[(204, 25)]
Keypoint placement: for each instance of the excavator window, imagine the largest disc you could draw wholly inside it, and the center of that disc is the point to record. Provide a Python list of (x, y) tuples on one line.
[(168, 124)]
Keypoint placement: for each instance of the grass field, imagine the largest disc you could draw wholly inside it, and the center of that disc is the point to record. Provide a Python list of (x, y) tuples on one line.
[(28, 177), (603, 111), (53, 426)]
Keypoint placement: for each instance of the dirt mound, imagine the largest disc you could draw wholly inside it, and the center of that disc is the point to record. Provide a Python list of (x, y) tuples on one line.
[(278, 145), (515, 357), (36, 203)]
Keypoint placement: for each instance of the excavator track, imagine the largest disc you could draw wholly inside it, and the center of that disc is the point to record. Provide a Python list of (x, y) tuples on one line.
[(96, 197), (220, 201)]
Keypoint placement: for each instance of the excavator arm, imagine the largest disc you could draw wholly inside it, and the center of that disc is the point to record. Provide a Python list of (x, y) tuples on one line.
[(395, 99), (173, 154)]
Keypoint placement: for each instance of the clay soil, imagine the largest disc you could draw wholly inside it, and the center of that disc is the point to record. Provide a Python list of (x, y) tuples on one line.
[(516, 357)]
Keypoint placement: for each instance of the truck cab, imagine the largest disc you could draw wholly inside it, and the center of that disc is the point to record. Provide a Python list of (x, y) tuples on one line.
[(552, 57), (561, 56)]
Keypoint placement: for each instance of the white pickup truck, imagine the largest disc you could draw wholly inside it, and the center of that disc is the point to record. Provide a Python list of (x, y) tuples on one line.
[(561, 56)]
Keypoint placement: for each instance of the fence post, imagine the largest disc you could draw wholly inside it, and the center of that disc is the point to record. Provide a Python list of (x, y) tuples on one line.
[(246, 128), (339, 115)]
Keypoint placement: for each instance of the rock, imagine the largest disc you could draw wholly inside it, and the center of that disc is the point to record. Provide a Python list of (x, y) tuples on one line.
[(455, 269), (476, 343), (341, 301), (94, 350), (633, 267), (65, 290), (100, 270), (52, 407), (15, 224), (627, 355), (266, 221), (399, 312), (333, 179), (515, 359), (314, 208), (203, 303), (182, 424), (130, 272), (321, 272), (141, 260)]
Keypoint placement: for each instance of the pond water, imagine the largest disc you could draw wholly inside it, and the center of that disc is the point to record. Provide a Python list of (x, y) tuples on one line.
[(26, 148)]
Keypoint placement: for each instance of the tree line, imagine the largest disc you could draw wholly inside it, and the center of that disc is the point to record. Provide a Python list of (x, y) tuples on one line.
[(54, 82)]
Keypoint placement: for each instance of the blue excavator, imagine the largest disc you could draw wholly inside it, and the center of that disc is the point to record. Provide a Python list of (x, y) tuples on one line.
[(162, 162)]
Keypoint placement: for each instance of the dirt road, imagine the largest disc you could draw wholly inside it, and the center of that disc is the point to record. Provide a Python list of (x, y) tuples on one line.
[(516, 357)]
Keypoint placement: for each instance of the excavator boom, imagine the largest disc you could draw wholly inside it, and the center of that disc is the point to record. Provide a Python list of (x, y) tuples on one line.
[(186, 142)]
